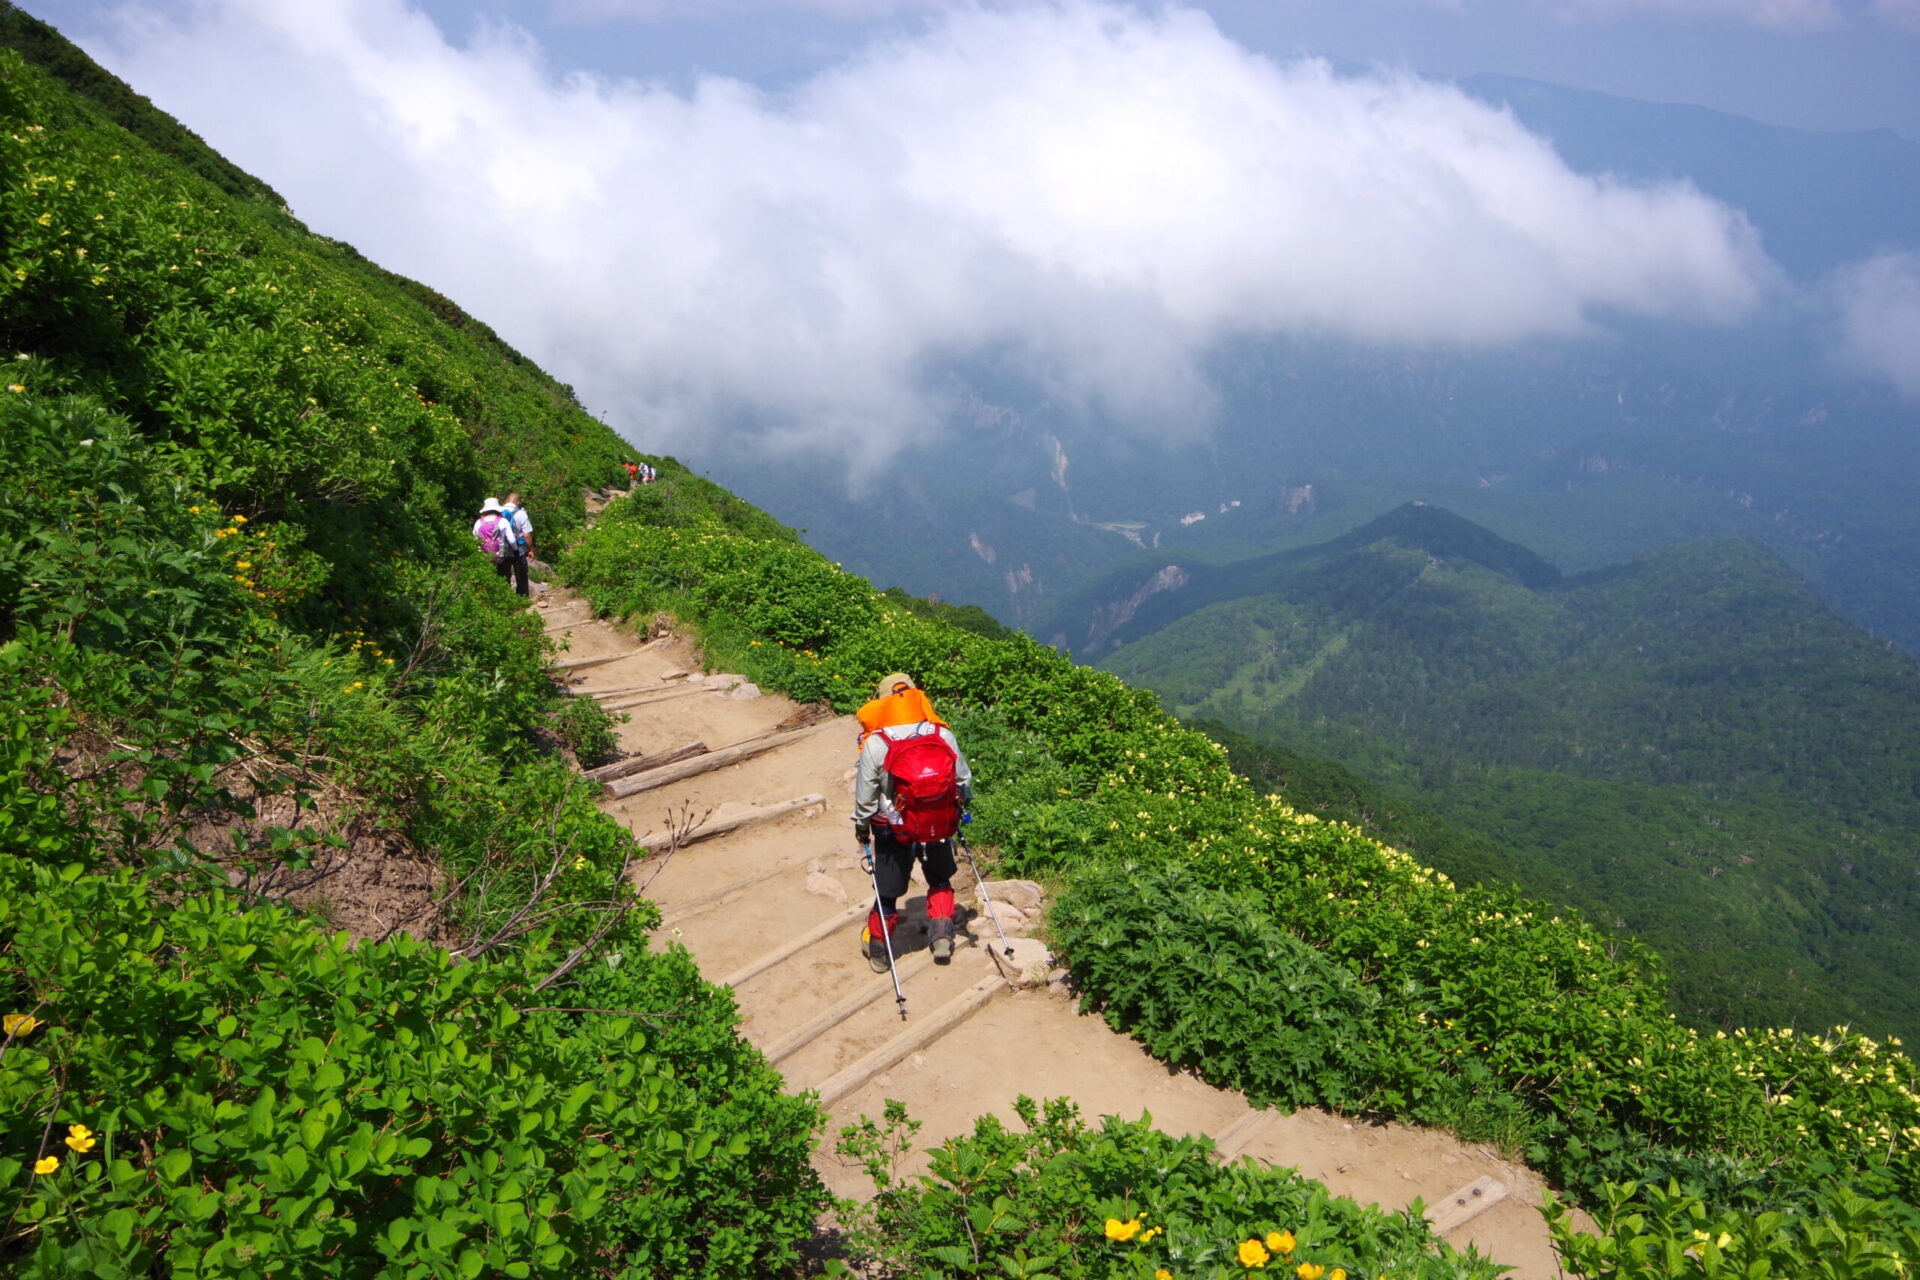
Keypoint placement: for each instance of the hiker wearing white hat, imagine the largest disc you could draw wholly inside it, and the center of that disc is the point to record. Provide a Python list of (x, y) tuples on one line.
[(495, 534)]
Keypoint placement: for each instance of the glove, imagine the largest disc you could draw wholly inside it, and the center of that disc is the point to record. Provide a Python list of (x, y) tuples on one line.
[(862, 831)]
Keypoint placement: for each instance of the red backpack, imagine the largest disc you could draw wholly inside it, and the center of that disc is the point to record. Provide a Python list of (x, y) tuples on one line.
[(926, 788)]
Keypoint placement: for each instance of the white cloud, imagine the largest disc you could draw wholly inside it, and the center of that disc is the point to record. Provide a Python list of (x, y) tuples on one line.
[(1096, 194), (1877, 303)]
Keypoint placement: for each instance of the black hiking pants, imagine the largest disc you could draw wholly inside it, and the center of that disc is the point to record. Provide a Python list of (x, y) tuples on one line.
[(893, 866), (514, 570)]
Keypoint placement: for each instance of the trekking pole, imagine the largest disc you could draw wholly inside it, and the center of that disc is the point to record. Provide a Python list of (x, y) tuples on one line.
[(886, 933), (981, 883)]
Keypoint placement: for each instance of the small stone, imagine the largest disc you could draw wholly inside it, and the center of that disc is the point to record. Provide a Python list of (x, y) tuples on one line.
[(1029, 965), (1024, 894), (1012, 919), (744, 692), (824, 885)]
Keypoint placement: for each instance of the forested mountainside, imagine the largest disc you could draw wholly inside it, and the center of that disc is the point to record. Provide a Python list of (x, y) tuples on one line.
[(1688, 746), (245, 637)]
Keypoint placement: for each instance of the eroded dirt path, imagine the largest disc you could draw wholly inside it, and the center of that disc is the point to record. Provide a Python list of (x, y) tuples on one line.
[(774, 909)]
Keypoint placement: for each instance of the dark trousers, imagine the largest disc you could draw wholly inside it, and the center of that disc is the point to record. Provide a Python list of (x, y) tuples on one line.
[(892, 869), (514, 570)]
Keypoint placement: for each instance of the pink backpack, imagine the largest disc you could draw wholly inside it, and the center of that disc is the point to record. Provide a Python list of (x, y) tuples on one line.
[(495, 542)]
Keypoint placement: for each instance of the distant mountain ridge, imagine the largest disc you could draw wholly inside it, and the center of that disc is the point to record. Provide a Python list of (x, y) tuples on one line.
[(1177, 590), (1819, 198), (1687, 745)]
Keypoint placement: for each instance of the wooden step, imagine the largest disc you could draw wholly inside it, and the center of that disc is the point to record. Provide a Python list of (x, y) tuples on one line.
[(745, 817), (681, 912), (624, 787), (1243, 1133), (557, 627), (677, 690), (917, 1036), (581, 664), (826, 928), (1464, 1205), (908, 967), (639, 764), (671, 680)]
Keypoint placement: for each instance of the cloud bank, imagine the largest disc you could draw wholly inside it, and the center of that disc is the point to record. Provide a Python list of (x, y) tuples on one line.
[(1093, 194), (1877, 303)]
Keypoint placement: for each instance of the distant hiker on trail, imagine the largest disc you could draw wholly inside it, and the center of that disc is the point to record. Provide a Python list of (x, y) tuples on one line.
[(516, 513), (909, 792), (647, 474), (496, 535), (633, 473)]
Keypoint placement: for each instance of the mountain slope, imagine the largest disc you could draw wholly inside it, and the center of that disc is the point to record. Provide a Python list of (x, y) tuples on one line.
[(1687, 746)]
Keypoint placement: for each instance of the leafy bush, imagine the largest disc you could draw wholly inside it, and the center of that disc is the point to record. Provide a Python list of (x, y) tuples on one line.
[(226, 1092), (1124, 1200), (588, 730), (1650, 1232), (1282, 1023)]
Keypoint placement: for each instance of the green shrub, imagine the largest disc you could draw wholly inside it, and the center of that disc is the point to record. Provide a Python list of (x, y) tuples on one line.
[(1650, 1232), (1279, 1021), (1124, 1200), (265, 1098), (588, 730)]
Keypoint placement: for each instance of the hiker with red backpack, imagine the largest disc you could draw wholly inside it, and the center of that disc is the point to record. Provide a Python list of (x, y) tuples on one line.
[(909, 792)]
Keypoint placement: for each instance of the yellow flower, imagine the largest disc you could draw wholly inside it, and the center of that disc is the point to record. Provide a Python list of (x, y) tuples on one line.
[(1162, 1274), (80, 1138), (1280, 1241), (46, 1164), (1309, 1271), (1338, 1273), (1119, 1230), (1252, 1254), (239, 519), (18, 1024)]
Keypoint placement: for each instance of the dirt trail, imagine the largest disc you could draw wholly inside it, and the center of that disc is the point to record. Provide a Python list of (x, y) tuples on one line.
[(775, 909)]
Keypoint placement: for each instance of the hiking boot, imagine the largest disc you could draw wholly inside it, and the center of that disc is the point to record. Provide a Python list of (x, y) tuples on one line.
[(941, 933), (876, 951)]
